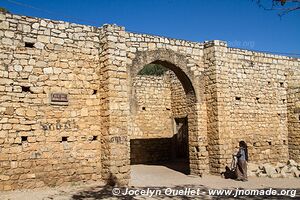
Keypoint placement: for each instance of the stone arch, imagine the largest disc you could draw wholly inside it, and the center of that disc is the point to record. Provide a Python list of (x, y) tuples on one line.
[(179, 65), (170, 59)]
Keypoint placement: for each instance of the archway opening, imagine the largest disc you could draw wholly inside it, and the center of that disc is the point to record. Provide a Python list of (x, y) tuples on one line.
[(161, 105)]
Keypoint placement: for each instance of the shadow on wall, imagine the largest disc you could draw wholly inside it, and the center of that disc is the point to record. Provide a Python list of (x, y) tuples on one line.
[(106, 192), (156, 150), (160, 151), (150, 150)]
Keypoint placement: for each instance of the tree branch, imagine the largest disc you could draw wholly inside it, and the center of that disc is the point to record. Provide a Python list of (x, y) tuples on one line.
[(279, 5)]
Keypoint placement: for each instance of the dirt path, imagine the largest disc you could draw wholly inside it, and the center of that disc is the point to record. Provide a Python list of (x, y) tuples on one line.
[(151, 175), (157, 178)]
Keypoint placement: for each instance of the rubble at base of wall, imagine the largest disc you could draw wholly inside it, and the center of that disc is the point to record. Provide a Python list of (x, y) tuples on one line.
[(280, 170)]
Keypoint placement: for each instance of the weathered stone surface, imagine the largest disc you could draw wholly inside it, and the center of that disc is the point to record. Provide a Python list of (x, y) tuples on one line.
[(281, 170), (35, 25), (48, 70), (56, 40), (4, 25), (20, 111), (2, 16), (43, 38), (18, 68), (152, 97), (7, 41), (30, 113), (9, 34), (9, 111), (4, 177), (269, 170), (28, 68), (292, 163), (39, 45)]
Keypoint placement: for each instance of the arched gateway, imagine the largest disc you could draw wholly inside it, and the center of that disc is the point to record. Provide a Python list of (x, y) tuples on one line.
[(178, 64), (185, 60), (195, 102)]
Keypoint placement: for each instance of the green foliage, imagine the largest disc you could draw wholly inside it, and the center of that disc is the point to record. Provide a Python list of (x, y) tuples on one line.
[(153, 69), (3, 10)]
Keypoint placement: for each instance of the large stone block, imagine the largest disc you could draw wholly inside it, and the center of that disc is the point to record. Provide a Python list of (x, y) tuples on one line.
[(43, 39)]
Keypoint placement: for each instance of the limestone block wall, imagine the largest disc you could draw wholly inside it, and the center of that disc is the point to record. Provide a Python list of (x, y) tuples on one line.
[(154, 96), (293, 106), (248, 100), (294, 124), (258, 85), (216, 89), (151, 108), (115, 146), (156, 102), (44, 144), (151, 150), (178, 97)]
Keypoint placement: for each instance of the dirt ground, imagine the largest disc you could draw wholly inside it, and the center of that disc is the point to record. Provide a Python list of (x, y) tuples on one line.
[(159, 178)]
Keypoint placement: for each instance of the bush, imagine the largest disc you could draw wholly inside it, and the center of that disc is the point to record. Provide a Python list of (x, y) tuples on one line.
[(3, 10), (153, 69)]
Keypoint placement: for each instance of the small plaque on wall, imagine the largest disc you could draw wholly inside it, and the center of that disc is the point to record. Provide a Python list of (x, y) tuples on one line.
[(59, 98)]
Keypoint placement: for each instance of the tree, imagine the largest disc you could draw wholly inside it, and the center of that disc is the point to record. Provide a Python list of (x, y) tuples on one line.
[(282, 6), (3, 10), (153, 70)]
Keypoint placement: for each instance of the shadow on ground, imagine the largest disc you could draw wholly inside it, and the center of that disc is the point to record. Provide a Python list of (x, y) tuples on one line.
[(179, 165), (106, 192)]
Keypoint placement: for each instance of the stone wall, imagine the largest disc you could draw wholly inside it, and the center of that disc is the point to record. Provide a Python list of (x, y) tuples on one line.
[(115, 146), (154, 96), (226, 94), (247, 100), (178, 97), (45, 144), (216, 90), (156, 102), (293, 107), (258, 104), (151, 97), (151, 150)]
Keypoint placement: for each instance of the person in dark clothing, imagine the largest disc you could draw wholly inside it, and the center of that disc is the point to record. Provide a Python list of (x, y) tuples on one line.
[(242, 158)]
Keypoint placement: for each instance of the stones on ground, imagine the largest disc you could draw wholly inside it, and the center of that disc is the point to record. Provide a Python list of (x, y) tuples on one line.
[(280, 170), (269, 170)]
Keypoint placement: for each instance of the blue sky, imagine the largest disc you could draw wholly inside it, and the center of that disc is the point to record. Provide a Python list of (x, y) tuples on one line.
[(239, 22)]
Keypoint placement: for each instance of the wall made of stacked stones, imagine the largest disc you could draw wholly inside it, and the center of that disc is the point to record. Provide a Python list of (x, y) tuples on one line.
[(293, 106), (143, 42), (216, 92), (156, 102), (294, 123), (154, 96), (178, 97), (45, 144), (151, 150), (151, 108), (258, 85), (115, 147)]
